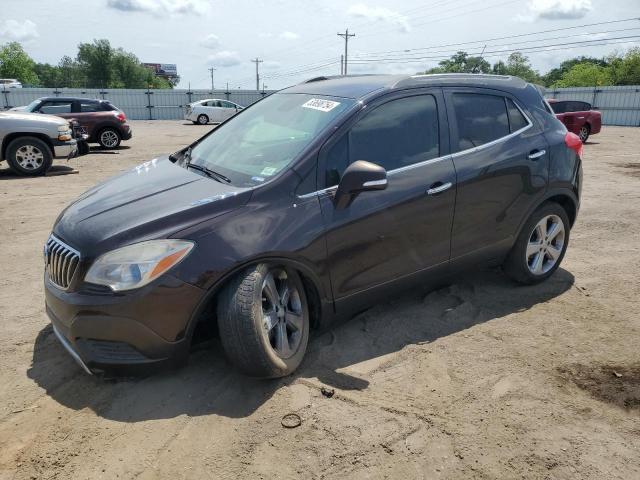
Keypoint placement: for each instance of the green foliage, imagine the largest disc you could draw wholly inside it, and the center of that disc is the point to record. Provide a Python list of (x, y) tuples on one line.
[(97, 65), (461, 62), (625, 70), (15, 63), (555, 74), (585, 75)]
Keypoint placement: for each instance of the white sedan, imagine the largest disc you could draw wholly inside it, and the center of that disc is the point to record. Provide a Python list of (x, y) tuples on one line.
[(211, 110)]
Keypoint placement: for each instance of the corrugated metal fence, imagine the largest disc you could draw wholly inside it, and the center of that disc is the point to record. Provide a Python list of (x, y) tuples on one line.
[(619, 105), (137, 104)]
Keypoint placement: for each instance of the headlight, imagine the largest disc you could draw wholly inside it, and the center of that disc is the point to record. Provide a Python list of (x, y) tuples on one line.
[(64, 133), (136, 265)]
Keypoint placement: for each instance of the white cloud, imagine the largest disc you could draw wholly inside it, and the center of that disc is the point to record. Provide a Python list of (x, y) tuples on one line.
[(289, 36), (556, 10), (225, 58), (210, 41), (159, 7), (380, 14), (18, 31)]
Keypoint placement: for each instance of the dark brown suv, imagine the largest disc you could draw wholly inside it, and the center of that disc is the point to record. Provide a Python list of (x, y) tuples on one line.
[(99, 119)]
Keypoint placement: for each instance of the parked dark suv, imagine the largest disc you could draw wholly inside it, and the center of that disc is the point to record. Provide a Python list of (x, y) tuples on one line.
[(308, 206), (99, 119)]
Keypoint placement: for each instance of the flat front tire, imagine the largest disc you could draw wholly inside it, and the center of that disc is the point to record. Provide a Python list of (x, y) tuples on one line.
[(541, 245), (29, 156), (263, 320)]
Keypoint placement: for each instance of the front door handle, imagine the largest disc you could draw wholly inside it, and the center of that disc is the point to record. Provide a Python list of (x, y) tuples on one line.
[(439, 188), (536, 154)]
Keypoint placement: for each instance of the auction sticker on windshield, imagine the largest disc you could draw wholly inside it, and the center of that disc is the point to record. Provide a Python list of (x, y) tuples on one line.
[(320, 104)]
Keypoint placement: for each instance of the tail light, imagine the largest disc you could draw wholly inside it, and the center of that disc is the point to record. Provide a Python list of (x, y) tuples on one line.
[(574, 143), (121, 116)]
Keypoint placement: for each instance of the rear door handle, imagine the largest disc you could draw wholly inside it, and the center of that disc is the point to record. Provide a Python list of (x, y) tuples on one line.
[(536, 154), (441, 187)]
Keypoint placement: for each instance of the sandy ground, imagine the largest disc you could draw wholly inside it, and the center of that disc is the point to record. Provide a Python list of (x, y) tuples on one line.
[(481, 379)]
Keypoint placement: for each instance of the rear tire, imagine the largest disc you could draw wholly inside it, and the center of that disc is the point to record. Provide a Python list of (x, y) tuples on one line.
[(29, 156), (263, 320), (584, 133), (109, 138), (541, 245), (203, 119)]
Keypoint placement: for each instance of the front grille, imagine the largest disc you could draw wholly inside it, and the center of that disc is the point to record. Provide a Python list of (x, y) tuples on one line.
[(61, 262)]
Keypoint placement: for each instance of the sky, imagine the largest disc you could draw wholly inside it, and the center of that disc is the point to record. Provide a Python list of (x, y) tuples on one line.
[(297, 39)]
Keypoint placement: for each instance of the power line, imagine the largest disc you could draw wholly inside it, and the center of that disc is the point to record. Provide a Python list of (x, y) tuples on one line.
[(346, 36), (505, 37), (511, 44), (537, 48)]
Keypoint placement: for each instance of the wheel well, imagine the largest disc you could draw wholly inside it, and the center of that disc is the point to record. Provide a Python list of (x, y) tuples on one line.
[(568, 205), (12, 136), (206, 322)]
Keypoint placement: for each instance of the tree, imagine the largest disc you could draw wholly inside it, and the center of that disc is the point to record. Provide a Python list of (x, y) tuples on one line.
[(72, 74), (555, 74), (625, 70), (48, 75), (96, 60), (15, 63), (585, 75), (461, 62), (519, 66)]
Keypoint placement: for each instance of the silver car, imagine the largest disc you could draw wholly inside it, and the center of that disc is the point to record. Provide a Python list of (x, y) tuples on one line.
[(29, 142)]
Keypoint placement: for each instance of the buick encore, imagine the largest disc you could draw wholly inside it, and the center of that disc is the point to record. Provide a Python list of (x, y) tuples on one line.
[(309, 206)]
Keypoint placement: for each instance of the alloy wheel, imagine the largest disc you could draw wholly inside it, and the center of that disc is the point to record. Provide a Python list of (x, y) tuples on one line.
[(29, 157), (584, 134), (546, 244), (109, 138), (282, 313)]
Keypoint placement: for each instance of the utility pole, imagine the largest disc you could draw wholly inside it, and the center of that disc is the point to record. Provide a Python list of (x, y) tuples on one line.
[(257, 61), (346, 36), (211, 70), (341, 64)]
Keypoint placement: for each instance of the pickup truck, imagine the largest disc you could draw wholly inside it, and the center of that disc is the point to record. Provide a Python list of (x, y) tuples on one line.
[(29, 141), (577, 116)]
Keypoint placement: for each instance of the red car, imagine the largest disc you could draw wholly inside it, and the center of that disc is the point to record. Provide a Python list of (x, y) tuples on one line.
[(577, 116)]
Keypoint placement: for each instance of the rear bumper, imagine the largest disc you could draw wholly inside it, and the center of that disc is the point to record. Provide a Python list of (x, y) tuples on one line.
[(126, 132), (124, 334)]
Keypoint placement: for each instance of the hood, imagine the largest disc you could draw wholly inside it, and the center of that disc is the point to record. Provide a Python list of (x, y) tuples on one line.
[(30, 118), (151, 201)]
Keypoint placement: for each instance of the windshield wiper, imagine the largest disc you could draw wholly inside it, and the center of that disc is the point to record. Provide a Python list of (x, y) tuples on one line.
[(209, 173)]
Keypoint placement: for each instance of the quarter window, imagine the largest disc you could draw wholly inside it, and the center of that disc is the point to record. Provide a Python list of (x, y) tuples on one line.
[(516, 118), (480, 119), (396, 134), (90, 107)]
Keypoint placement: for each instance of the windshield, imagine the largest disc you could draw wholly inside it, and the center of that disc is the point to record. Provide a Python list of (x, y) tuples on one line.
[(32, 105), (261, 142)]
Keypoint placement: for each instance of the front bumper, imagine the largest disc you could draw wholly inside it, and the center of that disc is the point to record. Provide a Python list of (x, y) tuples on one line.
[(125, 333), (67, 149)]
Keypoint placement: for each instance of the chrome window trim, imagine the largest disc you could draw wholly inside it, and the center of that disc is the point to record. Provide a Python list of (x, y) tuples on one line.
[(444, 157)]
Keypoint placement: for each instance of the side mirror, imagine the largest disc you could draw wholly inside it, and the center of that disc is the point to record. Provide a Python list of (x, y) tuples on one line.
[(360, 176)]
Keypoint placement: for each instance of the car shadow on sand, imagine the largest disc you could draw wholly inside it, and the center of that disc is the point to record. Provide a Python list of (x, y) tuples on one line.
[(210, 385)]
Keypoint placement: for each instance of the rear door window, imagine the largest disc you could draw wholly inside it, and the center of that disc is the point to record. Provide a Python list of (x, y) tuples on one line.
[(480, 119), (396, 134)]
